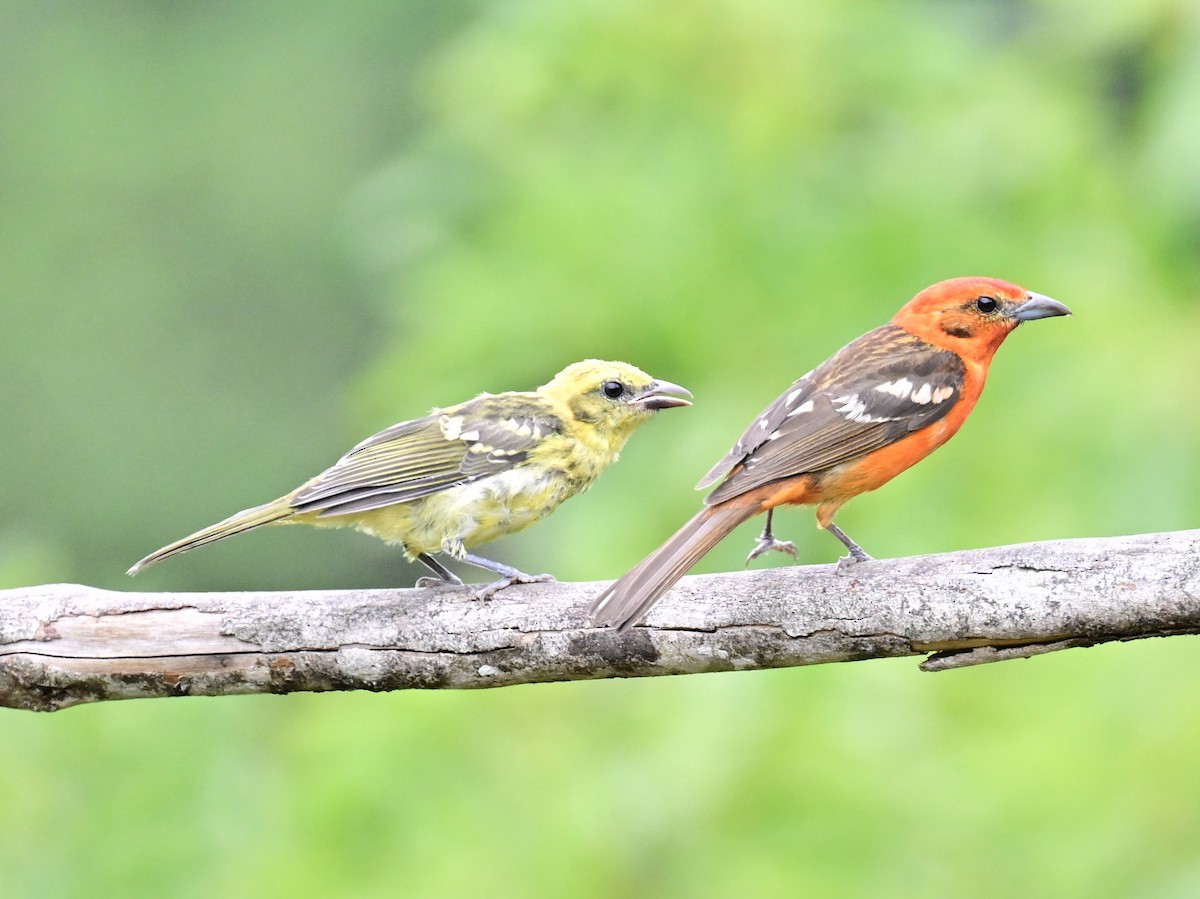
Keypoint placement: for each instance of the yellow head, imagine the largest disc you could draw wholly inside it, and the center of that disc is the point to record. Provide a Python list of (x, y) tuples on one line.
[(613, 397)]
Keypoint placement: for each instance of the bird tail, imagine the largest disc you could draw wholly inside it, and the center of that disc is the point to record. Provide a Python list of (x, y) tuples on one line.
[(630, 597), (234, 524)]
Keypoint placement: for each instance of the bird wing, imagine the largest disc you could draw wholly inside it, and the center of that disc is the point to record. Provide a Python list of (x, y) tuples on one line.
[(884, 385), (412, 459)]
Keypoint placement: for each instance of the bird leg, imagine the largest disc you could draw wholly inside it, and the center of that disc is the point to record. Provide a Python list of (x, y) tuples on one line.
[(509, 576), (857, 553), (767, 542), (445, 577)]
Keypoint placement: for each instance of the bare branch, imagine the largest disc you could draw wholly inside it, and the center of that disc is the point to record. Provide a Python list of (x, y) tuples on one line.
[(65, 644)]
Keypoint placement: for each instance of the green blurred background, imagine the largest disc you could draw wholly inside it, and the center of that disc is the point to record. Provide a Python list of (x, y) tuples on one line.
[(235, 238)]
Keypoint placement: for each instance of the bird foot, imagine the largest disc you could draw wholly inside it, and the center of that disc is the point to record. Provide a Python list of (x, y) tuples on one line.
[(766, 543), (517, 577), (437, 582), (845, 563)]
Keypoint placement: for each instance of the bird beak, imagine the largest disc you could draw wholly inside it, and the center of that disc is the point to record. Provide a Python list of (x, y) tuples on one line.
[(1038, 306), (661, 395)]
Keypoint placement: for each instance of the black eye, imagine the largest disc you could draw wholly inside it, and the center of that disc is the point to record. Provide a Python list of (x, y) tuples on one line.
[(612, 389), (985, 305)]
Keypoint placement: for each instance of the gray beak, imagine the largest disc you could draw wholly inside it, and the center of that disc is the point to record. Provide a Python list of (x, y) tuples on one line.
[(661, 395), (1037, 306)]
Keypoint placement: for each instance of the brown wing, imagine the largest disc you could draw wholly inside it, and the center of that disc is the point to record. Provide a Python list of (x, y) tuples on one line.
[(417, 458), (874, 391)]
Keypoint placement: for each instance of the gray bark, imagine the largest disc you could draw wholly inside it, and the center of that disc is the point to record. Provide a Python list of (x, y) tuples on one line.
[(65, 644)]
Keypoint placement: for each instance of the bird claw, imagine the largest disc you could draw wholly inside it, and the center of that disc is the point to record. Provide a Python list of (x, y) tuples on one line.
[(845, 563), (437, 582), (517, 577), (767, 543)]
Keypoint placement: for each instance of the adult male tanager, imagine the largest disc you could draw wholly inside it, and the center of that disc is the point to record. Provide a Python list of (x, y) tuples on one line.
[(877, 406), (469, 473)]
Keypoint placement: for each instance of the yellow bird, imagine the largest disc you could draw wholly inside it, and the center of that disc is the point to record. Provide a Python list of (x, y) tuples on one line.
[(469, 473)]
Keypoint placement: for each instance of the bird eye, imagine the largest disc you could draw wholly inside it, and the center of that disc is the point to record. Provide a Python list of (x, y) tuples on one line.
[(985, 305), (612, 389)]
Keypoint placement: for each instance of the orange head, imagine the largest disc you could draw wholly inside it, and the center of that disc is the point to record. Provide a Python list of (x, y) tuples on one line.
[(972, 316)]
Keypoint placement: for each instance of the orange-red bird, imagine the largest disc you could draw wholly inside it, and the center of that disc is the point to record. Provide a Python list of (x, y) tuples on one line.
[(874, 408)]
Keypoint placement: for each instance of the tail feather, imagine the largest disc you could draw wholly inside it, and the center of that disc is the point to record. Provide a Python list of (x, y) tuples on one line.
[(234, 524), (629, 598)]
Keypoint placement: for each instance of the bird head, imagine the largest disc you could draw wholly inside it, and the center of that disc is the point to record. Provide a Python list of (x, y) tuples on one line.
[(613, 396), (973, 313)]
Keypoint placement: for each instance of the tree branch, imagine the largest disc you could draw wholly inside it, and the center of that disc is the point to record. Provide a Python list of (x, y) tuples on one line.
[(65, 644)]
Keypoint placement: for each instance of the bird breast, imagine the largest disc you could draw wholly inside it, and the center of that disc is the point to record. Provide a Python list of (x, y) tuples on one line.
[(472, 513)]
